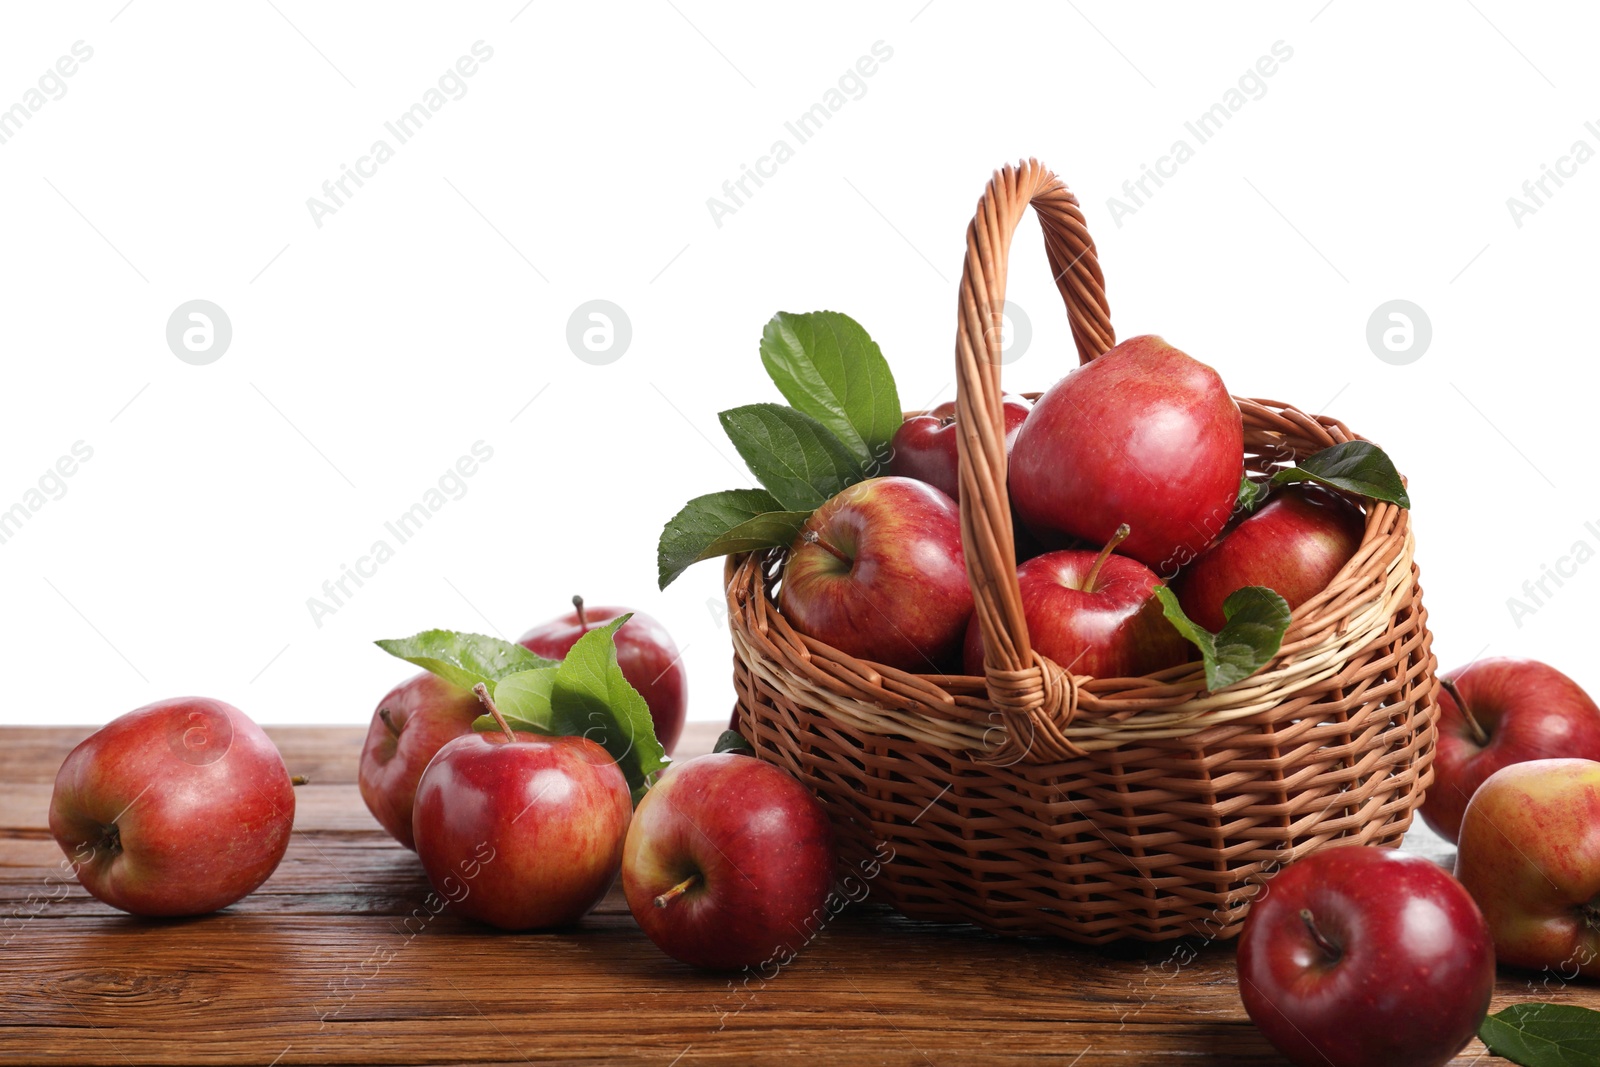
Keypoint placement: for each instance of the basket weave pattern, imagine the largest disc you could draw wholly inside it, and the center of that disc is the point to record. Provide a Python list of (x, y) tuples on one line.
[(1031, 801)]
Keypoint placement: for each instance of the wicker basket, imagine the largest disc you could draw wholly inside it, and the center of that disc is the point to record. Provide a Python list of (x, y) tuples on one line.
[(1034, 802)]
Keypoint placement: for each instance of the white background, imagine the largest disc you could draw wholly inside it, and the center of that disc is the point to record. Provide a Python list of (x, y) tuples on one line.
[(425, 314)]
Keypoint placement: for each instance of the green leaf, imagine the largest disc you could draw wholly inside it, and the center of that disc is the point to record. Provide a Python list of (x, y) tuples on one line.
[(827, 367), (733, 741), (1251, 495), (465, 659), (1544, 1035), (737, 520), (1255, 620), (796, 457), (587, 696), (1354, 466)]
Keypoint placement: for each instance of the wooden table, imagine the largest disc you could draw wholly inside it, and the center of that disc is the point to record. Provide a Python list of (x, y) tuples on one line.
[(335, 960)]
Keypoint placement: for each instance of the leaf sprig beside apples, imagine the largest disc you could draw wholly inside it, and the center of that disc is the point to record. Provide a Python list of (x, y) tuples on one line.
[(1129, 472)]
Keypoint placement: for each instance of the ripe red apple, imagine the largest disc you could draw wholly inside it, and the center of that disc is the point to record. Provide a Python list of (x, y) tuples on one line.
[(1294, 544), (729, 863), (648, 656), (1093, 613), (413, 721), (1144, 435), (1497, 712), (1359, 956), (878, 573), (1530, 855), (924, 447), (521, 831), (181, 807)]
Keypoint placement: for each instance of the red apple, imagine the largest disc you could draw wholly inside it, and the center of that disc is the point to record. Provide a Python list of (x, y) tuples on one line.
[(413, 721), (181, 807), (1530, 855), (648, 656), (1144, 435), (878, 573), (729, 863), (924, 447), (1294, 544), (521, 831), (1358, 956), (1497, 712), (1093, 613)]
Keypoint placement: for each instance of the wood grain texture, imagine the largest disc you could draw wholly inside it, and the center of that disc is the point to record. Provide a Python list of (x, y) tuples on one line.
[(337, 960)]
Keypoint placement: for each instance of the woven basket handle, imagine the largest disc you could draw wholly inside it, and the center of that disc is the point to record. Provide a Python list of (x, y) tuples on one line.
[(1034, 698)]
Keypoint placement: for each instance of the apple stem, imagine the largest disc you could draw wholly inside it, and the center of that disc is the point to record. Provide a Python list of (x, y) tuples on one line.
[(388, 720), (1333, 951), (300, 779), (1479, 734), (1105, 553), (583, 620), (484, 699), (1591, 913), (814, 538), (677, 891)]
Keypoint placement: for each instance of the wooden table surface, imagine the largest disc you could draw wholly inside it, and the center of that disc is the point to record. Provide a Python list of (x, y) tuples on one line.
[(336, 960)]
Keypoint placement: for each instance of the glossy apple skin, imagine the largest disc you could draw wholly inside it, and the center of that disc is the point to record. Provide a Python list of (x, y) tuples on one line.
[(1294, 544), (647, 654), (904, 600), (1116, 631), (200, 801), (1530, 855), (924, 447), (1529, 710), (428, 711), (522, 835), (1143, 435), (1415, 973), (761, 845)]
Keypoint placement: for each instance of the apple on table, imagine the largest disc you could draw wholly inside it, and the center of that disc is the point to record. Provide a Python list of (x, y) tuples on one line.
[(1497, 712), (1359, 956), (181, 807), (1529, 854), (412, 722), (648, 656), (729, 863), (519, 830)]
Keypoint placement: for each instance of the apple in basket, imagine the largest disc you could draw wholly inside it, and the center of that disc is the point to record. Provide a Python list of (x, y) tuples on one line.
[(1093, 614), (877, 572), (1294, 544), (924, 447), (1144, 435)]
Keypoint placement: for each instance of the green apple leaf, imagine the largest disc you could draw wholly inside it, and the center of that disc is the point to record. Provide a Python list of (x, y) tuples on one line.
[(797, 458), (717, 524), (1354, 466), (1544, 1035), (733, 741), (586, 696), (827, 366), (1255, 620), (1251, 495), (464, 659)]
